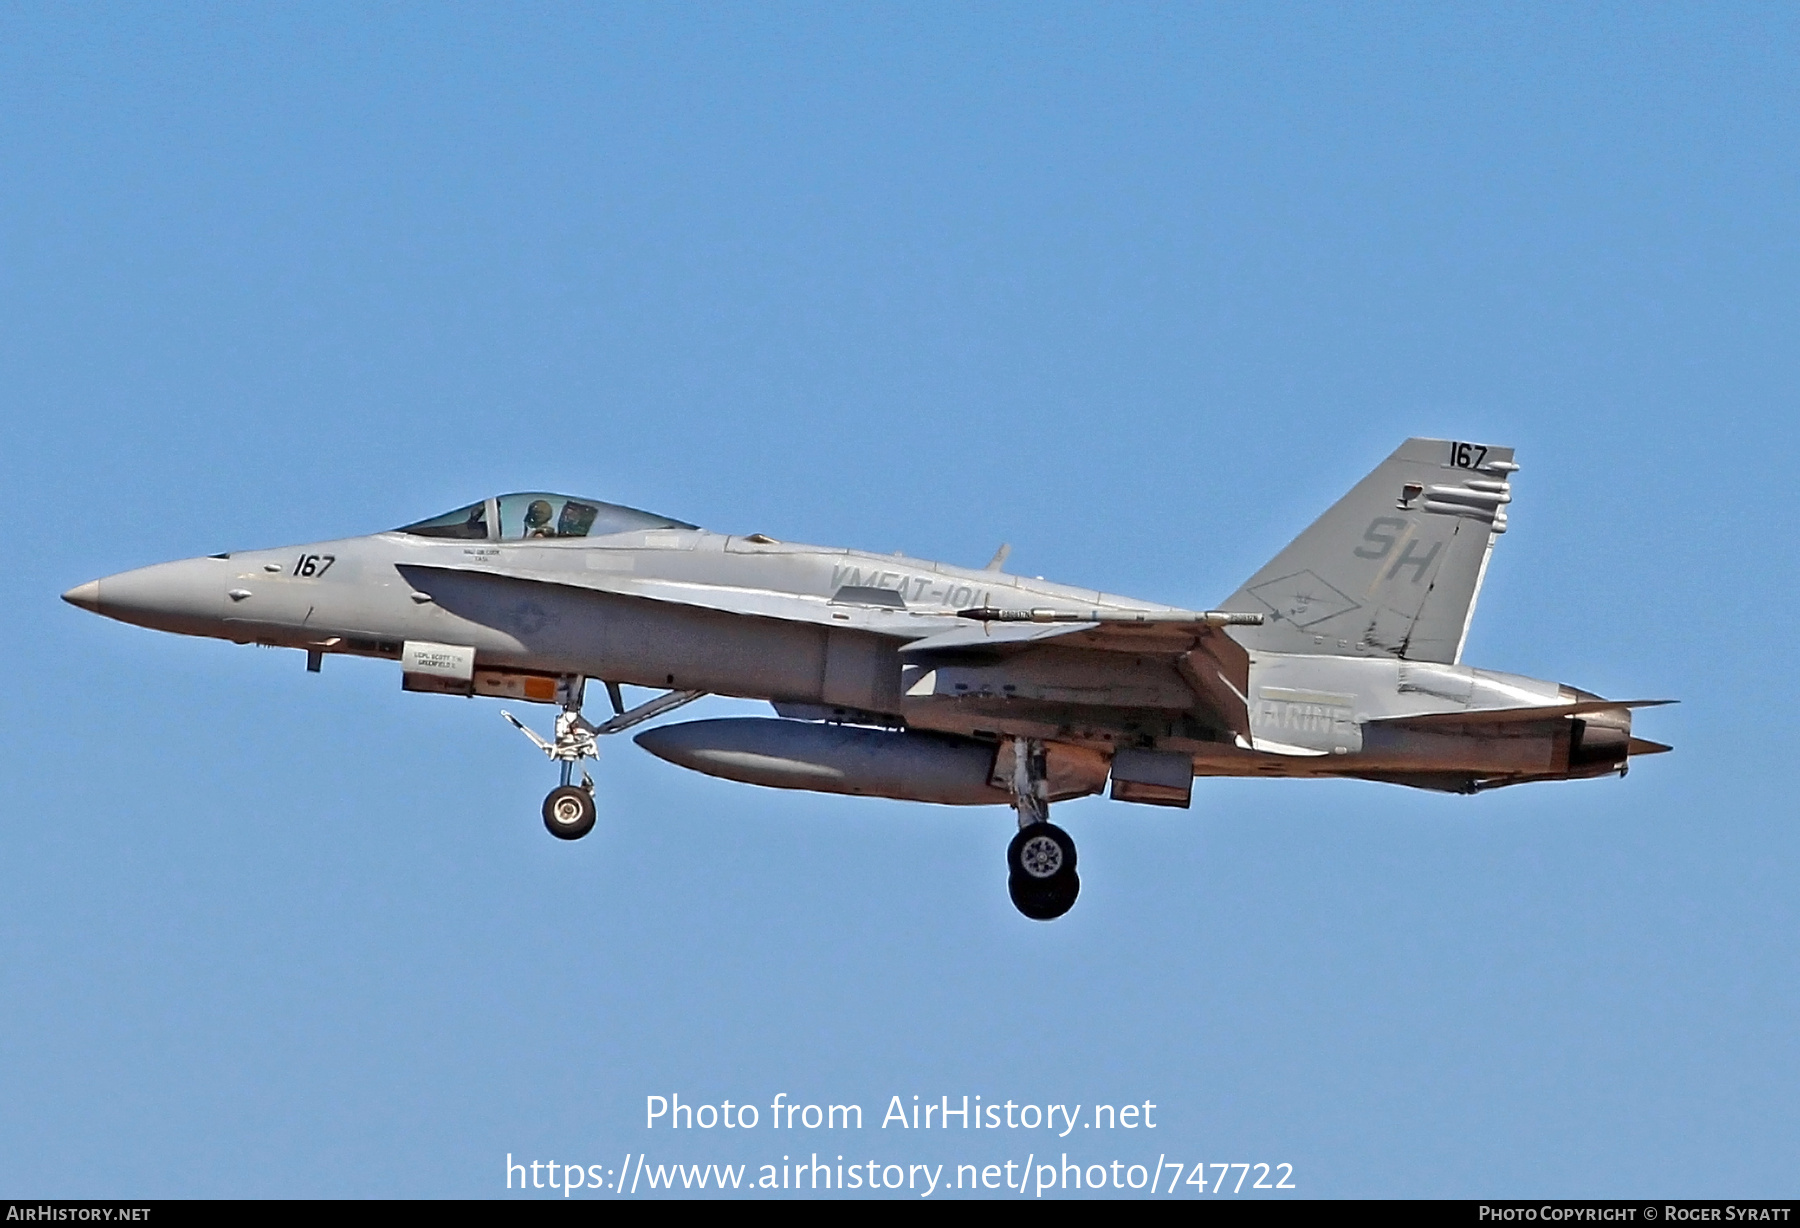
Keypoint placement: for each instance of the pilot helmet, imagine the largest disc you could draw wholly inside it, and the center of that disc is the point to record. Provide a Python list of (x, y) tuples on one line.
[(538, 514)]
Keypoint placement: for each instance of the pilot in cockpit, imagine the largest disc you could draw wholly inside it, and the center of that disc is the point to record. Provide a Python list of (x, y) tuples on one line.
[(537, 519)]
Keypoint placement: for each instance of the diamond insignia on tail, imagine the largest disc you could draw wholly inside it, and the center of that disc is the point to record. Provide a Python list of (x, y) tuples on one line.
[(1302, 599)]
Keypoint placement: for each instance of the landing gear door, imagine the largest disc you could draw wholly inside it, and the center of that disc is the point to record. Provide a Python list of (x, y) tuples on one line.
[(1073, 771), (1153, 777)]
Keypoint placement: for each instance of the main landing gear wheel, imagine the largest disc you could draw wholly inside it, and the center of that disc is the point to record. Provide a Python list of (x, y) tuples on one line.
[(1040, 861), (1042, 902), (1041, 853), (1041, 871), (569, 812)]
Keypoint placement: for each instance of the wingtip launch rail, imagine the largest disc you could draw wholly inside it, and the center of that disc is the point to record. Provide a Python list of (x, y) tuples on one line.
[(1040, 614)]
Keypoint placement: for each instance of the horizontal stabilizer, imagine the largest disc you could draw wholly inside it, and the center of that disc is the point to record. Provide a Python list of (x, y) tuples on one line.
[(1504, 716)]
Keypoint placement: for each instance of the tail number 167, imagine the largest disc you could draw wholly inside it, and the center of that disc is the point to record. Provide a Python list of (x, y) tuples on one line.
[(1467, 455)]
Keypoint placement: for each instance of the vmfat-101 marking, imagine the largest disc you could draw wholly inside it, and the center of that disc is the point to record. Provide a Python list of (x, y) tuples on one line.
[(914, 590)]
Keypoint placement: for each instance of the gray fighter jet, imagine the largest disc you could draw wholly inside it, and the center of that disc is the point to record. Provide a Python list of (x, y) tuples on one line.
[(897, 677)]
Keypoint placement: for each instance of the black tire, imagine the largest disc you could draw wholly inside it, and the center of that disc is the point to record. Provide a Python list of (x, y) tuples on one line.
[(569, 812), (1044, 903), (1041, 853)]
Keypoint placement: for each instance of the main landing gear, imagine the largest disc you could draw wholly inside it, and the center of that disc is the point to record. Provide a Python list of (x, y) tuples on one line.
[(569, 809), (1040, 861)]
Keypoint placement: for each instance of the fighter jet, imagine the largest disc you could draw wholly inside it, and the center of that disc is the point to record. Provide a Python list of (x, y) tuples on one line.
[(902, 678)]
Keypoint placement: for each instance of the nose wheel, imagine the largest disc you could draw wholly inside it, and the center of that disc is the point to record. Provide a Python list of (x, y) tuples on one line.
[(569, 811), (1040, 861)]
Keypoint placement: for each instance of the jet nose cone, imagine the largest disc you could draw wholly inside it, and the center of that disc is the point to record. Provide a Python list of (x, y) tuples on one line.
[(87, 596), (183, 596)]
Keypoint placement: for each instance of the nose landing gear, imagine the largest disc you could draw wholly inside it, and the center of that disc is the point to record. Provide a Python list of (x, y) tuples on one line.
[(1040, 861), (569, 809)]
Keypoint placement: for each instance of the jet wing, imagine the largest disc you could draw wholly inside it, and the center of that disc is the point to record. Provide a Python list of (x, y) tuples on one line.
[(1170, 638), (1508, 716), (1211, 663), (1214, 666), (994, 636)]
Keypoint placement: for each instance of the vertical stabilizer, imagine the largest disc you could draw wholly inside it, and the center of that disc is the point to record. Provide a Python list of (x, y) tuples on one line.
[(1393, 569)]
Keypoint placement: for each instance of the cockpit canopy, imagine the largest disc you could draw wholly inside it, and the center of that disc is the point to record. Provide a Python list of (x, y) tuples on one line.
[(537, 514)]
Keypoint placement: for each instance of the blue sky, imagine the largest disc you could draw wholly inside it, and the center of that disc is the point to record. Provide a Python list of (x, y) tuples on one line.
[(1139, 290)]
